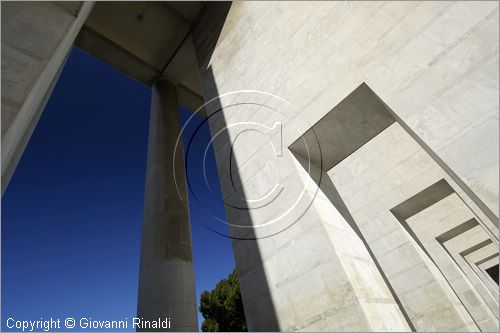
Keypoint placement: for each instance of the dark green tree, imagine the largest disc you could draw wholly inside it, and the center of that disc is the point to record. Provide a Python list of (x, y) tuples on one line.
[(222, 307)]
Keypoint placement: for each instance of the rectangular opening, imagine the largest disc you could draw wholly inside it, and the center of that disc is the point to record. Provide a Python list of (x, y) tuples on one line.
[(493, 273)]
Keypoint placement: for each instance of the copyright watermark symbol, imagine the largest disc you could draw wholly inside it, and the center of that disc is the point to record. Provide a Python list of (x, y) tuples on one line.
[(69, 323), (264, 190)]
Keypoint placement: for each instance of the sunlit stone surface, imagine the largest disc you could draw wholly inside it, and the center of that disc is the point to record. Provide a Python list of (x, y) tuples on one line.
[(356, 144)]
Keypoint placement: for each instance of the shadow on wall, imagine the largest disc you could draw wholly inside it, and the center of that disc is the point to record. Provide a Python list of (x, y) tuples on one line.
[(259, 309)]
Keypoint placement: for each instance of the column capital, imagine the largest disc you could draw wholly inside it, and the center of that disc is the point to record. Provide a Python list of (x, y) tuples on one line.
[(162, 78)]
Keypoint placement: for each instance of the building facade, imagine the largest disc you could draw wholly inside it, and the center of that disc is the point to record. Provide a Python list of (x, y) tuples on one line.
[(357, 146)]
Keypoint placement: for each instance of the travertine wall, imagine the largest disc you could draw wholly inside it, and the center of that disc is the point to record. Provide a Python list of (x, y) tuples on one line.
[(436, 220), (378, 177), (320, 258), (333, 200), (428, 61)]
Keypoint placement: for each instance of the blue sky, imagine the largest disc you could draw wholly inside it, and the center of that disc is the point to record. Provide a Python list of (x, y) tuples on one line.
[(72, 214)]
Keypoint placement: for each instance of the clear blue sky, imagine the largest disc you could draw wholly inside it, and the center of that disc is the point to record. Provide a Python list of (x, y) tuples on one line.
[(72, 214)]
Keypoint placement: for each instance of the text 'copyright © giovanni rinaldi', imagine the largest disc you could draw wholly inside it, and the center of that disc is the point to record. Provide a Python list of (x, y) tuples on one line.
[(85, 323)]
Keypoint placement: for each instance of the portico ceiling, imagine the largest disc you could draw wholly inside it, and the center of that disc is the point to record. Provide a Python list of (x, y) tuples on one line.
[(144, 39)]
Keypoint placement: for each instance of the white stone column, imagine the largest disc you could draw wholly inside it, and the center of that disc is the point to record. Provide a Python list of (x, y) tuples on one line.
[(166, 276), (16, 135)]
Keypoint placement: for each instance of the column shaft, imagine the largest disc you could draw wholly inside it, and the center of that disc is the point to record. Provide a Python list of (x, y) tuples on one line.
[(166, 277)]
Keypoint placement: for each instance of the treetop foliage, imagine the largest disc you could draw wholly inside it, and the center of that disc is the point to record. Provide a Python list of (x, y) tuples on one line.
[(222, 307)]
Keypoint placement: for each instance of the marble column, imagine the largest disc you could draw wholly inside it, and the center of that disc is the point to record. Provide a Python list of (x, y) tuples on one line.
[(17, 132), (166, 276)]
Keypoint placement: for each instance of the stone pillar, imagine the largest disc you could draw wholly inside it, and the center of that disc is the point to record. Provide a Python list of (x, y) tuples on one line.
[(20, 122), (166, 276)]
